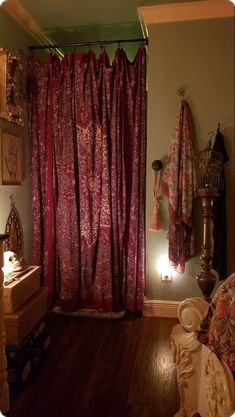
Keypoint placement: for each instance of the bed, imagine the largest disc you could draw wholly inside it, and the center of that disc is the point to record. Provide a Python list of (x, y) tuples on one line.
[(203, 346)]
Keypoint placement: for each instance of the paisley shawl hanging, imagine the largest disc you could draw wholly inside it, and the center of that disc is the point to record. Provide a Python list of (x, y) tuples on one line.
[(178, 184)]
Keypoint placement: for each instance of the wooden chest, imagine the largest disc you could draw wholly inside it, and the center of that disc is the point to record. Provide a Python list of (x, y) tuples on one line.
[(18, 292), (21, 322), (22, 359)]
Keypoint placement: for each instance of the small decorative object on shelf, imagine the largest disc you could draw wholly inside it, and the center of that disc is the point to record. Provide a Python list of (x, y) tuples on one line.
[(11, 267), (13, 246), (208, 164), (208, 170), (14, 241), (11, 92)]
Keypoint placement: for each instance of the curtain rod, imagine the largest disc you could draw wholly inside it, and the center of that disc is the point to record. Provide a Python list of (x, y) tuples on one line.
[(71, 45)]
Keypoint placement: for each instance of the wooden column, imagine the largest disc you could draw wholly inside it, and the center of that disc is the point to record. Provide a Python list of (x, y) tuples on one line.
[(4, 388), (206, 278)]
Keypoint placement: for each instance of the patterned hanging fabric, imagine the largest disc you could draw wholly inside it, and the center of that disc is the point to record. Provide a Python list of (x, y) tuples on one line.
[(219, 261), (87, 130), (178, 184)]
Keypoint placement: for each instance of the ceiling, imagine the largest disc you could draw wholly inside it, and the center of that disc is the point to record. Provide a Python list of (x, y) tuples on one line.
[(65, 21), (74, 13), (70, 21)]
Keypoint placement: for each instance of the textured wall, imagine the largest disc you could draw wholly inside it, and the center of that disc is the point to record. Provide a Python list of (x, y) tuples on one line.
[(14, 38), (199, 56)]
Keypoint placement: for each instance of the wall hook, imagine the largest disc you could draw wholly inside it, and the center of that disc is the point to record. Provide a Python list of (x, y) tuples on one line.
[(12, 198), (157, 165), (181, 92)]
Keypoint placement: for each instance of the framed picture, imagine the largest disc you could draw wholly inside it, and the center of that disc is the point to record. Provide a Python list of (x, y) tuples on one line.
[(11, 158), (11, 95)]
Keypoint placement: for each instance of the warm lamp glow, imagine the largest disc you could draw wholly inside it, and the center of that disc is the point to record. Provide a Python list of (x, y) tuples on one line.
[(2, 1), (163, 267)]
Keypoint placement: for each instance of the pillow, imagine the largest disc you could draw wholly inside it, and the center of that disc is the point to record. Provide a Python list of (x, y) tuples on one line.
[(217, 329)]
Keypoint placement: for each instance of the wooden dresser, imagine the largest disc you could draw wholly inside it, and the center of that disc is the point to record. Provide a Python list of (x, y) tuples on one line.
[(4, 388)]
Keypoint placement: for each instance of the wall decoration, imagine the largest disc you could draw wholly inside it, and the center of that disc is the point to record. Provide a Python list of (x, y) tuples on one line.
[(11, 91), (13, 229), (11, 158)]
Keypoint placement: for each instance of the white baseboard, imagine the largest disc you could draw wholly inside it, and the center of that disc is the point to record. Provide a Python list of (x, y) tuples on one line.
[(161, 308)]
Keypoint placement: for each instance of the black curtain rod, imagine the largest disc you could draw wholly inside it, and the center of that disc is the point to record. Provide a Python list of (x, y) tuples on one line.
[(71, 45)]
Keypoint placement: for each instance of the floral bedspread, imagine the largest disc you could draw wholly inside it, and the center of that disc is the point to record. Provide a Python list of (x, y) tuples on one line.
[(217, 329)]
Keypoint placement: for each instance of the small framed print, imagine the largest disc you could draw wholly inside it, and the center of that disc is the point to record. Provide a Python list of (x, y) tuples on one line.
[(11, 158)]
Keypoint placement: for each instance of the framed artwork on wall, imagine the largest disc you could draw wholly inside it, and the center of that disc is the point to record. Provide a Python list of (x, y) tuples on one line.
[(11, 158), (11, 90)]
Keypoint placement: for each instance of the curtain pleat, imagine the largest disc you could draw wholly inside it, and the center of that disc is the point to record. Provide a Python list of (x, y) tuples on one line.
[(88, 147)]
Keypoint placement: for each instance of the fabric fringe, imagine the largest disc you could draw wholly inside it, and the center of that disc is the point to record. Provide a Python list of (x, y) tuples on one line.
[(155, 221)]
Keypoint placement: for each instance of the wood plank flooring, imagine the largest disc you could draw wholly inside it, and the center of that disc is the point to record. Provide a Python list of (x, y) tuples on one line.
[(102, 368)]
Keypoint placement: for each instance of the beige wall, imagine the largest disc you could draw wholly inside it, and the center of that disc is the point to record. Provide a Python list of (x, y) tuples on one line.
[(198, 56), (14, 38)]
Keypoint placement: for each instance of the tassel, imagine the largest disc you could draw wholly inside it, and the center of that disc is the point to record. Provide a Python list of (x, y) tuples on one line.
[(155, 221)]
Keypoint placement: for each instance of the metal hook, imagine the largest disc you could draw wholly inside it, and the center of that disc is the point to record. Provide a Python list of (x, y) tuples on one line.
[(12, 198), (119, 44), (181, 92)]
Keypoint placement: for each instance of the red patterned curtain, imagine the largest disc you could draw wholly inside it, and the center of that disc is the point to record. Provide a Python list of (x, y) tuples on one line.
[(87, 124)]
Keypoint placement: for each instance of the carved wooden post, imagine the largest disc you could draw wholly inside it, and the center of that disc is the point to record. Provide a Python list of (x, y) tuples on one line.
[(4, 388), (206, 279)]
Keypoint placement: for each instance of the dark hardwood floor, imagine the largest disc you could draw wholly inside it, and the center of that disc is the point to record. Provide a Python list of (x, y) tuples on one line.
[(102, 368)]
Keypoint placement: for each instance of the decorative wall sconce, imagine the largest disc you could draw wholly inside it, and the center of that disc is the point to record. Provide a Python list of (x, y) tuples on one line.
[(11, 91)]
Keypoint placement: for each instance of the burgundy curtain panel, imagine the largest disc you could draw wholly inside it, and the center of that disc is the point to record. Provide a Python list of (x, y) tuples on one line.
[(87, 126)]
